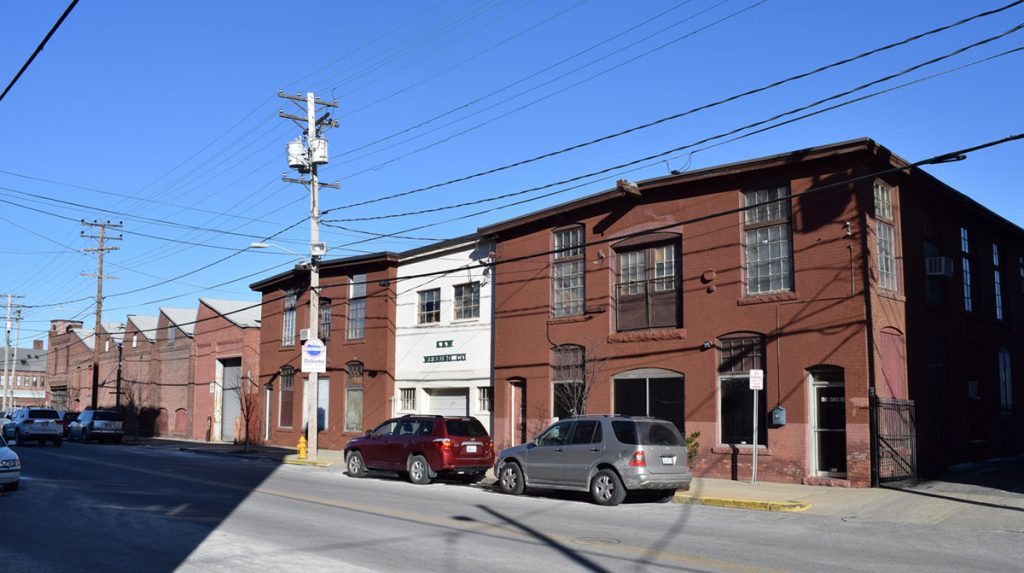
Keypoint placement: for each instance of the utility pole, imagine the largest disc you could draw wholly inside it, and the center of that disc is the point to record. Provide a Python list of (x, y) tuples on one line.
[(101, 248), (8, 384), (306, 158)]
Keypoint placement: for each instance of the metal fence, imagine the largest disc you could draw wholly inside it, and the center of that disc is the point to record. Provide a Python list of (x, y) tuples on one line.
[(897, 439)]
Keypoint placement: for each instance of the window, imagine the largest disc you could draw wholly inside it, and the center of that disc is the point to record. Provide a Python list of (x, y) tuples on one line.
[(1005, 382), (323, 401), (569, 390), (885, 233), (354, 397), (555, 435), (287, 397), (353, 409), (658, 394), (486, 398), (965, 264), (172, 334), (106, 345), (567, 273), (325, 318), (467, 301), (769, 252), (737, 356), (288, 319), (647, 295), (408, 399), (429, 307), (357, 307), (997, 281), (135, 340), (586, 432)]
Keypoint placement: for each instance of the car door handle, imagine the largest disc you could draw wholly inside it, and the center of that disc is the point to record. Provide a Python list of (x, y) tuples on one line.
[(559, 450), (595, 449)]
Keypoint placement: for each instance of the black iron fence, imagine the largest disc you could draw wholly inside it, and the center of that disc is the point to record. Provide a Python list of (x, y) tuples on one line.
[(896, 447)]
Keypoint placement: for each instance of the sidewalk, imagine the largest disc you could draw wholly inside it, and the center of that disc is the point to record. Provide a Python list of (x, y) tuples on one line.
[(988, 495)]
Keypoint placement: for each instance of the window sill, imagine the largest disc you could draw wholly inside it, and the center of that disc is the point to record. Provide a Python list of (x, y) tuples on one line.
[(741, 449), (355, 342), (648, 335), (768, 297), (568, 319), (891, 295)]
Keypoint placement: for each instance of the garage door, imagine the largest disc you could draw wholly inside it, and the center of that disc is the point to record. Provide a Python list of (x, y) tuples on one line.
[(454, 402)]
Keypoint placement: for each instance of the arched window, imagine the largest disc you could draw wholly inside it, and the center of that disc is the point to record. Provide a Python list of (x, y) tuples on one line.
[(354, 397), (738, 354), (287, 402), (650, 392)]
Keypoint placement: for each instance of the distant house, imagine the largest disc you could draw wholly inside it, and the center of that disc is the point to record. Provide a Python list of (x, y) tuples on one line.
[(27, 368)]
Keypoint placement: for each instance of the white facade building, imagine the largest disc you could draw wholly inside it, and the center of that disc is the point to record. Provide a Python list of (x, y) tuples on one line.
[(443, 331)]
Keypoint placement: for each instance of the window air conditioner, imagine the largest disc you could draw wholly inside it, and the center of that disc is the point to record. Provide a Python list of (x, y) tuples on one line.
[(938, 266), (304, 334)]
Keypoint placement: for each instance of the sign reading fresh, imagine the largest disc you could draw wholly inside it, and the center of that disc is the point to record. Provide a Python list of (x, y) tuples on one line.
[(314, 356)]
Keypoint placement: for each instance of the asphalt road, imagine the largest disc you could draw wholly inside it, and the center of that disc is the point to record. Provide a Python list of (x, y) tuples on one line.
[(98, 507)]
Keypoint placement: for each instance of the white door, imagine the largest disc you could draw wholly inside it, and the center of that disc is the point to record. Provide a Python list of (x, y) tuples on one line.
[(449, 402)]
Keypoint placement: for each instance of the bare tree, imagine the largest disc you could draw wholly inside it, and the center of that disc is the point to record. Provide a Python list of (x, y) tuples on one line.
[(248, 396), (133, 395), (577, 370)]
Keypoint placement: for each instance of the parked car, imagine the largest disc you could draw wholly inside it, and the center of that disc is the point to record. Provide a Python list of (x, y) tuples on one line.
[(10, 467), (423, 448), (100, 425), (40, 424), (607, 455), (65, 419)]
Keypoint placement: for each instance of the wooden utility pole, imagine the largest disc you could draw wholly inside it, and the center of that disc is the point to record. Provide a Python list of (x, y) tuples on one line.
[(100, 249)]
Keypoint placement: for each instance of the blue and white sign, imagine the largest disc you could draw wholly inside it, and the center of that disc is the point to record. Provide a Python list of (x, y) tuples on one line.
[(314, 356)]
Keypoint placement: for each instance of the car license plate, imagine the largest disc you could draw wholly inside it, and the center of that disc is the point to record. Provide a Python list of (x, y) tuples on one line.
[(45, 424), (471, 449), (668, 460)]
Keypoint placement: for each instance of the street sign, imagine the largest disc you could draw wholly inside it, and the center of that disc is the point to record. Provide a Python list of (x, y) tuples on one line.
[(757, 379), (314, 356)]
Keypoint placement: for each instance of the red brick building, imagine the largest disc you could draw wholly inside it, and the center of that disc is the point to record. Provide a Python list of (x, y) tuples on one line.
[(816, 267), (167, 397), (69, 364), (357, 324), (227, 394)]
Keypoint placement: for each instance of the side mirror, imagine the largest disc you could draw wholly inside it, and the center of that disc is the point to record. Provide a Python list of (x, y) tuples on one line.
[(369, 433), (535, 442)]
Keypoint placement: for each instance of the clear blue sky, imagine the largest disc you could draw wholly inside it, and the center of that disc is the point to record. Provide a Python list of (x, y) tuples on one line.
[(166, 113)]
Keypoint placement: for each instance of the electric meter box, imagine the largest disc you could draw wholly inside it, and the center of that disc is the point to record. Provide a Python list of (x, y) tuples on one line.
[(318, 151), (296, 155), (778, 415)]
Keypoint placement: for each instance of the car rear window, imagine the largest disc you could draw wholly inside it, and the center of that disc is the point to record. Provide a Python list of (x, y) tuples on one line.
[(465, 427), (107, 416), (647, 433), (43, 414)]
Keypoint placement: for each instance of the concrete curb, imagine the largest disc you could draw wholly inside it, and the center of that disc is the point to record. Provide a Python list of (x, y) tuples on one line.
[(783, 506), (232, 455), (292, 461)]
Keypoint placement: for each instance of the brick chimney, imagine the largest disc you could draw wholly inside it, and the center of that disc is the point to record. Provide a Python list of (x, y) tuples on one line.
[(37, 345)]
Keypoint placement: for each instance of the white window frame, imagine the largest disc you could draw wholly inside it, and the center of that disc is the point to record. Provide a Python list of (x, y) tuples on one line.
[(288, 318), (568, 272), (407, 398), (462, 310), (965, 266), (768, 241), (486, 398), (997, 282), (432, 315)]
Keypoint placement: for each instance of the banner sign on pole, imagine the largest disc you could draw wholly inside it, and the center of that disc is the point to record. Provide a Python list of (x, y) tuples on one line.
[(314, 356)]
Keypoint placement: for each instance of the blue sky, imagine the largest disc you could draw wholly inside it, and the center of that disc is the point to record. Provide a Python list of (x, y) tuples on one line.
[(165, 115)]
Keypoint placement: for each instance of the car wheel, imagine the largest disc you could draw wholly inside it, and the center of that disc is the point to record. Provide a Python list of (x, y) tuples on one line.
[(17, 437), (510, 479), (606, 488), (355, 464), (419, 471), (11, 486)]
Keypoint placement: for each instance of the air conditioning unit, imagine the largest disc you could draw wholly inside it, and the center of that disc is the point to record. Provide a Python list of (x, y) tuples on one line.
[(938, 266), (304, 334)]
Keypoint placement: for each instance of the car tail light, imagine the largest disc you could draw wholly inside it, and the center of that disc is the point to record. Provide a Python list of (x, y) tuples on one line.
[(30, 422), (443, 443), (638, 459)]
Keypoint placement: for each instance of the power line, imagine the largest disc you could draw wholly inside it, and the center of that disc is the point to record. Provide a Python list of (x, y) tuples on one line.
[(681, 114), (39, 48)]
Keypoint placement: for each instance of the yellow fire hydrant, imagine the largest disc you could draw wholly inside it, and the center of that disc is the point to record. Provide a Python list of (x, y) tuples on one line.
[(302, 448)]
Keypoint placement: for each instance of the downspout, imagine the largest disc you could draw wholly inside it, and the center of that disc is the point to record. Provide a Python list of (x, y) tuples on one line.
[(869, 324)]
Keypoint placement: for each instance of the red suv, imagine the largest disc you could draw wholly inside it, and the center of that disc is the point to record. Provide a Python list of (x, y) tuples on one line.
[(423, 447)]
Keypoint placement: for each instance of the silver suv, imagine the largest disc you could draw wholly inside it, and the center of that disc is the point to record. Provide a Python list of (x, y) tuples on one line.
[(40, 424), (607, 455)]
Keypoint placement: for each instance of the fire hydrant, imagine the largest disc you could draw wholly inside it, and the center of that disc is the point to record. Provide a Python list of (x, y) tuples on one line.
[(302, 448)]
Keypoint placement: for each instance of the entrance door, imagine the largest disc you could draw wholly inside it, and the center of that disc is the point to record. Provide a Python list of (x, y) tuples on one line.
[(518, 413), (231, 406), (828, 422)]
